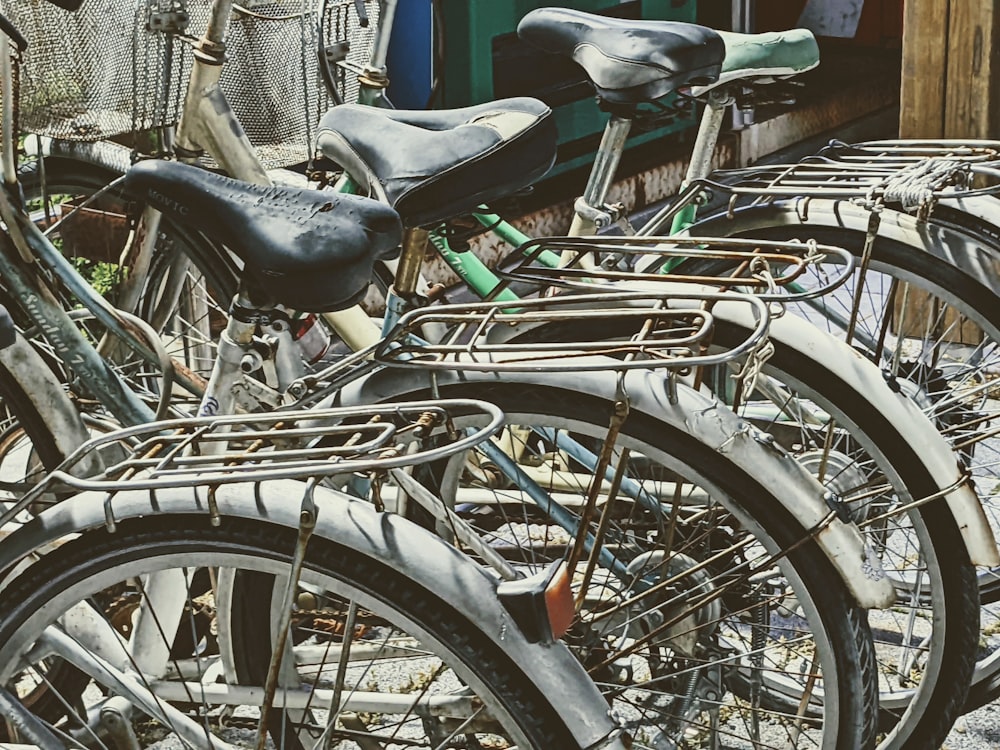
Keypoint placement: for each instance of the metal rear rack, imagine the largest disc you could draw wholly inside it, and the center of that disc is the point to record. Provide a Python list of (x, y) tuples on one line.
[(888, 151), (302, 444), (663, 331), (914, 174), (768, 270)]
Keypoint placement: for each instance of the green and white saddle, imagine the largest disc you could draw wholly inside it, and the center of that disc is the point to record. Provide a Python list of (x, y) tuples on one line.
[(766, 56)]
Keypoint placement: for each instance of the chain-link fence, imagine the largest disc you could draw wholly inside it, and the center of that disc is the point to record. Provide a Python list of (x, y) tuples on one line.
[(121, 66)]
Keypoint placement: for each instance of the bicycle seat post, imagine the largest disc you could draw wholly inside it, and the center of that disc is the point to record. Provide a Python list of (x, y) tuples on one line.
[(403, 294), (704, 148), (591, 213)]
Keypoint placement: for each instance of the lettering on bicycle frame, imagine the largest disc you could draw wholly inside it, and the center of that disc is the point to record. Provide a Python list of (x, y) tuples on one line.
[(36, 310), (163, 201)]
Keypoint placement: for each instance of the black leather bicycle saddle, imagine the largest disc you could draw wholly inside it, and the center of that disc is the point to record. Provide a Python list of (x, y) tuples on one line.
[(308, 249), (628, 61), (434, 165)]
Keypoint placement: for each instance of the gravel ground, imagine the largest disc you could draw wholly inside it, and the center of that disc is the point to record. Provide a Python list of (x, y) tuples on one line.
[(978, 730)]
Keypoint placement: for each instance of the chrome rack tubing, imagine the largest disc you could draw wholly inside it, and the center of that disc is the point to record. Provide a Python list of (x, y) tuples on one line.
[(687, 194)]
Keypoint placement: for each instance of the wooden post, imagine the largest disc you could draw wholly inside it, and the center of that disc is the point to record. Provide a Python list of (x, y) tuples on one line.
[(922, 88), (951, 69), (950, 88)]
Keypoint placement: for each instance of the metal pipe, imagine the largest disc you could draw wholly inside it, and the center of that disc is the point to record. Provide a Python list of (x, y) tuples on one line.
[(708, 136), (7, 86), (410, 262), (380, 45)]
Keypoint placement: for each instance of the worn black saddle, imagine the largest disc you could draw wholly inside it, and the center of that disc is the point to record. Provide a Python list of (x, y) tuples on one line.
[(436, 164), (628, 61), (309, 249)]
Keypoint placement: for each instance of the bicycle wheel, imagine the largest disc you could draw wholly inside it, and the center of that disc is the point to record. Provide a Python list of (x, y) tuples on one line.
[(28, 450), (703, 578), (408, 668), (930, 318), (926, 644)]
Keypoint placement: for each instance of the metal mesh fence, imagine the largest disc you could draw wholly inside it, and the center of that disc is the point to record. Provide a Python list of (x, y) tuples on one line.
[(106, 70)]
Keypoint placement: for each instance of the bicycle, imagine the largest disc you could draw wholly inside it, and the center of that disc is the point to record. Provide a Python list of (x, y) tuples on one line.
[(927, 492), (352, 144), (163, 174), (852, 727)]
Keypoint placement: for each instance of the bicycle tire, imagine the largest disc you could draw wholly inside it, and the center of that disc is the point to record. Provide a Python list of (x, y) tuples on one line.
[(57, 185), (663, 447), (951, 296), (926, 721), (28, 451), (439, 639), (952, 606)]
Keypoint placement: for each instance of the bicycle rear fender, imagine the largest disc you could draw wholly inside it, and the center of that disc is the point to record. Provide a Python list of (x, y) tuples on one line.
[(107, 155), (707, 420), (389, 538), (944, 243), (982, 208), (919, 433), (951, 246), (116, 159)]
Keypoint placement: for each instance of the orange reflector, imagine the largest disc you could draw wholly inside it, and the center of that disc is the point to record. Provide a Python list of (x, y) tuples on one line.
[(559, 601)]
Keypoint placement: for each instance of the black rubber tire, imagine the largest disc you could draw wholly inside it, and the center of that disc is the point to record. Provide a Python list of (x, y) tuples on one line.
[(977, 302), (141, 539), (842, 621)]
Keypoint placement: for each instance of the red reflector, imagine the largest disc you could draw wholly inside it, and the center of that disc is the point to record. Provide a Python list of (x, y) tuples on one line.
[(559, 601)]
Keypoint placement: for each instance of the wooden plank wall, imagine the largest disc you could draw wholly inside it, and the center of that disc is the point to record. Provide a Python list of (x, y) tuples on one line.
[(951, 69), (950, 89)]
